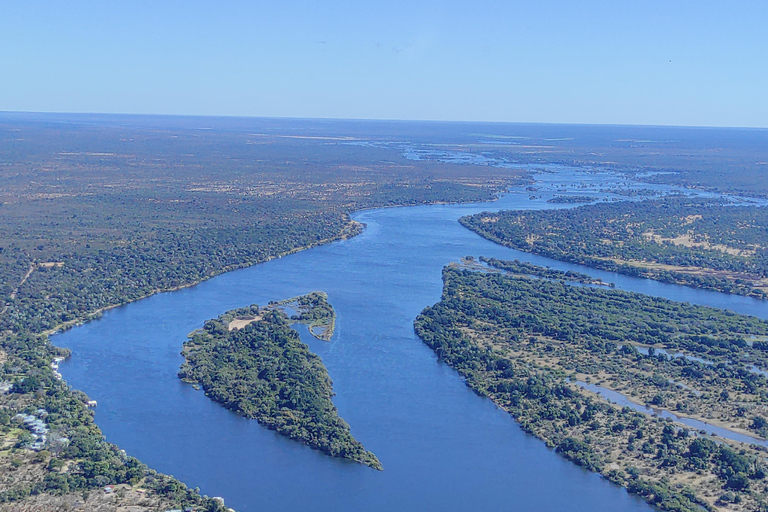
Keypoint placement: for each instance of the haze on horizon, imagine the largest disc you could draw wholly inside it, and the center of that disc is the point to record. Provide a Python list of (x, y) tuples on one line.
[(595, 62)]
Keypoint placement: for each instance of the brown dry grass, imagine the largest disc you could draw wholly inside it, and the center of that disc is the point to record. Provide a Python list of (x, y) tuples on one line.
[(123, 499), (239, 323)]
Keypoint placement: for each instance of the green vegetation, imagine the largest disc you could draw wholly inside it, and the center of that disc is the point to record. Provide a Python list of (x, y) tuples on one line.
[(570, 199), (632, 192), (266, 373), (97, 215), (527, 342), (520, 268), (315, 311), (76, 458), (682, 241)]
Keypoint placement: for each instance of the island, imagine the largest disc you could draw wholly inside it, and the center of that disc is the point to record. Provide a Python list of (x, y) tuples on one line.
[(571, 199), (252, 361), (624, 384), (694, 242)]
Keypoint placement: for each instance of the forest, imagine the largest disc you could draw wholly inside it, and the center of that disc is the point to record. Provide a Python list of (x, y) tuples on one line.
[(98, 212), (76, 458), (530, 343), (104, 217), (94, 215), (264, 372), (693, 242)]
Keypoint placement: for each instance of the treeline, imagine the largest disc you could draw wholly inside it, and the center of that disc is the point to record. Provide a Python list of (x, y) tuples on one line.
[(571, 199), (264, 372), (527, 269), (522, 341), (711, 246), (98, 279), (76, 457)]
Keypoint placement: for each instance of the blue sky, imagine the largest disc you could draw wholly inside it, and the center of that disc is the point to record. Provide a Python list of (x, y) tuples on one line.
[(672, 63)]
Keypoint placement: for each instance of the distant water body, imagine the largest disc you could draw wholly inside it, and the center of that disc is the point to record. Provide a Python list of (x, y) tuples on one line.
[(442, 447)]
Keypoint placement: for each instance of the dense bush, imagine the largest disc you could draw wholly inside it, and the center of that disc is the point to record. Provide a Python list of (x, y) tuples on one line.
[(265, 372)]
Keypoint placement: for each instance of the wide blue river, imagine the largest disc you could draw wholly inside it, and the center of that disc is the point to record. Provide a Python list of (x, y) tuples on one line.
[(442, 447)]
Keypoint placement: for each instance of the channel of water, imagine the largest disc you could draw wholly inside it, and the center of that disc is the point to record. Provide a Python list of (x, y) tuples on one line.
[(442, 446)]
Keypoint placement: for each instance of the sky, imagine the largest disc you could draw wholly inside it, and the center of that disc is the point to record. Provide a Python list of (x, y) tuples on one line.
[(686, 63)]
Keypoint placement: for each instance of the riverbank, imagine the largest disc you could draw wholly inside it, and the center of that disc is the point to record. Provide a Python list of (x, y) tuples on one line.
[(350, 229), (526, 342), (702, 243), (264, 372), (42, 482)]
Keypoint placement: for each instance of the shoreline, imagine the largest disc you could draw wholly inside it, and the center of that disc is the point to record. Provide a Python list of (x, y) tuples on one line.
[(574, 261), (345, 234)]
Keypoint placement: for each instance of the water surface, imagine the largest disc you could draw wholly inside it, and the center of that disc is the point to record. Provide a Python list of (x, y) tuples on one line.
[(442, 446)]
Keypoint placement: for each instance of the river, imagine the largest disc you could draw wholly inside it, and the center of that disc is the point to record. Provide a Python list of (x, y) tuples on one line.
[(442, 447)]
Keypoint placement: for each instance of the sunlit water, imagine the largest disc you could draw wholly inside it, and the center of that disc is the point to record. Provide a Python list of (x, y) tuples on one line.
[(442, 446)]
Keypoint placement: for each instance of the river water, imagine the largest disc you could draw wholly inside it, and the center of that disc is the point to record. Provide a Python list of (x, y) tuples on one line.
[(442, 447)]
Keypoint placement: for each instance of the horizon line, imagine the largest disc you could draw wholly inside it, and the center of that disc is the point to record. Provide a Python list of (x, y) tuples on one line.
[(382, 120)]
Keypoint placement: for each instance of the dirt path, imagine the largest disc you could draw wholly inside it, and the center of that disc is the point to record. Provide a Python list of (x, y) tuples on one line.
[(32, 267)]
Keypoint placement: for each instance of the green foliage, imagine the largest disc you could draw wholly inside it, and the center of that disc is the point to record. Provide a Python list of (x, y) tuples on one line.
[(314, 307), (661, 495), (581, 453), (265, 372), (526, 269), (598, 234), (571, 199), (507, 311)]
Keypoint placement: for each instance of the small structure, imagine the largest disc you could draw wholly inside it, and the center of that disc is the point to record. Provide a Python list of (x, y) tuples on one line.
[(55, 367), (38, 428)]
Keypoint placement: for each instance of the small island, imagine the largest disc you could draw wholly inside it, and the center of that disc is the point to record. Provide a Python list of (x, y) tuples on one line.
[(251, 361), (571, 199), (314, 310)]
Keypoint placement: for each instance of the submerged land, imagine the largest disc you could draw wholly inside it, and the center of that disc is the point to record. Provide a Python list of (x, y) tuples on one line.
[(530, 338), (250, 360)]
